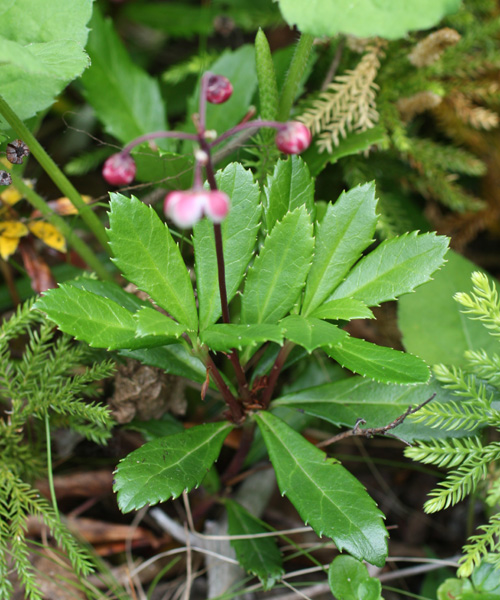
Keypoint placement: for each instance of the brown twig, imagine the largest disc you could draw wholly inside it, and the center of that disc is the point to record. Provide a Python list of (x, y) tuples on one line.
[(371, 431), (334, 65)]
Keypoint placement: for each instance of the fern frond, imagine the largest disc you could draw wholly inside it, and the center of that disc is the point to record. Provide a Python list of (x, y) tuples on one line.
[(484, 365), (466, 385), (482, 303), (480, 546), (464, 480), (453, 415), (348, 104), (430, 49), (449, 158), (445, 453)]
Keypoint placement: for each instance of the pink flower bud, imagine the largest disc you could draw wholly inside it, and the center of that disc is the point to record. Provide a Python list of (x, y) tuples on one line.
[(186, 208), (293, 138), (217, 206), (119, 169), (219, 89)]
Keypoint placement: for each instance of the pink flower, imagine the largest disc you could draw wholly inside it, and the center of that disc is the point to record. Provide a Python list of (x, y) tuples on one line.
[(293, 138), (119, 169), (185, 208), (219, 89)]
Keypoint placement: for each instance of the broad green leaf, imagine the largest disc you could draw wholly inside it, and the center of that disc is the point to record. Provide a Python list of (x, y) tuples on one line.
[(349, 580), (345, 231), (110, 290), (168, 466), (42, 50), (365, 18), (223, 337), (125, 98), (238, 241), (395, 267), (147, 255), (343, 309), (239, 67), (431, 322), (259, 555), (378, 362), (174, 171), (175, 18), (354, 143), (275, 280), (152, 323), (100, 322), (173, 359), (311, 333), (325, 494), (344, 402), (289, 187)]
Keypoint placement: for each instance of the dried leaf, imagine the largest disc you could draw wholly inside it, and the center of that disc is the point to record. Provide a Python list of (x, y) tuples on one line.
[(49, 234)]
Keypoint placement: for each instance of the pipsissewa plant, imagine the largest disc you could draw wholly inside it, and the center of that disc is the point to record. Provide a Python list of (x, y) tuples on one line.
[(278, 302), (471, 459)]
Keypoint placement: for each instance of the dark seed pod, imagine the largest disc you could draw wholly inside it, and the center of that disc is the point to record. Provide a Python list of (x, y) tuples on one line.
[(16, 151), (5, 178)]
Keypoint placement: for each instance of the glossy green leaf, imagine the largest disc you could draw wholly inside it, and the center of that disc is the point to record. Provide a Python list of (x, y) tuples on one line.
[(311, 333), (343, 309), (147, 255), (378, 362), (275, 280), (167, 466), (349, 580), (223, 337), (289, 187), (125, 98), (152, 323), (238, 241), (325, 494), (42, 49), (100, 322), (431, 322), (239, 67), (365, 18), (259, 555), (110, 290), (396, 267), (173, 359), (344, 402), (345, 231)]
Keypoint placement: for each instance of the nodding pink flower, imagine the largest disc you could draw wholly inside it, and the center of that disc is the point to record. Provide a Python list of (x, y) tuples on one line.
[(119, 169), (186, 208), (293, 138), (219, 89)]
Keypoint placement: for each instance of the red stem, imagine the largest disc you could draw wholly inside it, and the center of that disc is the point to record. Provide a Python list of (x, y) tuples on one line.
[(275, 373), (230, 400)]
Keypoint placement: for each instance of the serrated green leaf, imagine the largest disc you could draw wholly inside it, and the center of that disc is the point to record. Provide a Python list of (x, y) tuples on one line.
[(259, 556), (344, 402), (100, 322), (42, 50), (311, 333), (349, 580), (289, 187), (345, 231), (147, 255), (378, 362), (238, 241), (395, 267), (151, 323), (343, 309), (166, 467), (173, 359), (431, 322), (125, 98), (365, 18), (274, 283), (223, 337), (108, 289), (325, 494)]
